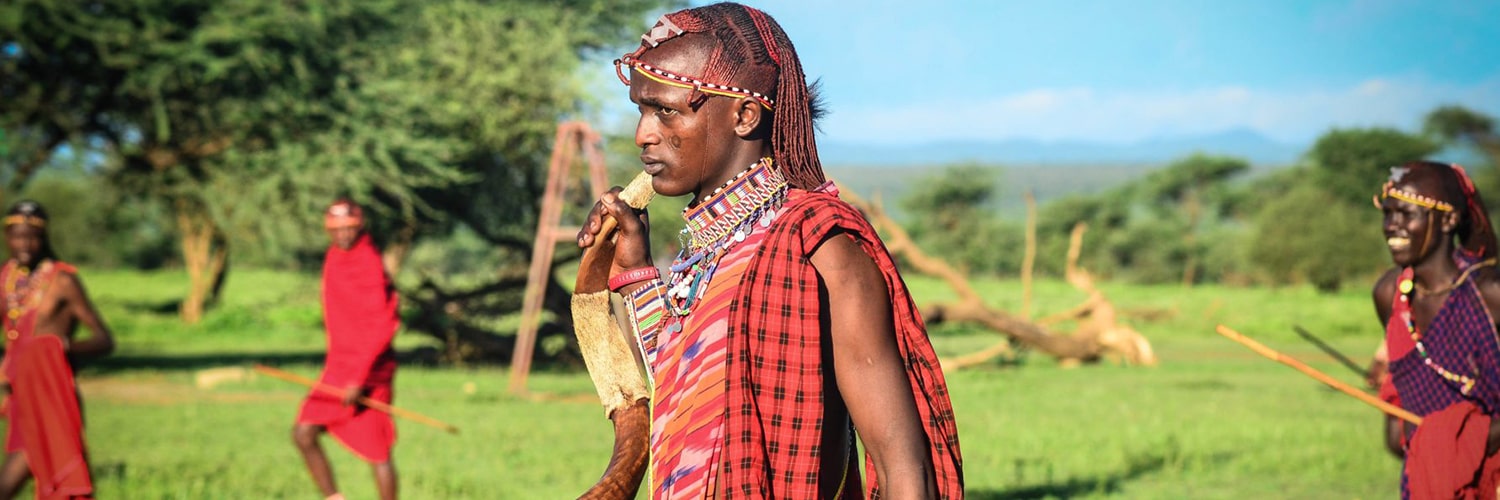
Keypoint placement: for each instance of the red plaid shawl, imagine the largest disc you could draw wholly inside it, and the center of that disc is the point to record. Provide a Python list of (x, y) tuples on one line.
[(774, 418)]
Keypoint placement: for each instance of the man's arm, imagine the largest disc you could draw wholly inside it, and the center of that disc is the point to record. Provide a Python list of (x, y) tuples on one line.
[(1488, 282), (100, 341), (1383, 294), (869, 370)]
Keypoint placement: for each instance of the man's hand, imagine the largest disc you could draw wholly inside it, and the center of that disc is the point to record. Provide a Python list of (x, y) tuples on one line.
[(352, 394), (1375, 375), (632, 248)]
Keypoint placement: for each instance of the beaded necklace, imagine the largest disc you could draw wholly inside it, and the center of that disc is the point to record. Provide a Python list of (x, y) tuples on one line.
[(20, 295), (718, 223), (1407, 286)]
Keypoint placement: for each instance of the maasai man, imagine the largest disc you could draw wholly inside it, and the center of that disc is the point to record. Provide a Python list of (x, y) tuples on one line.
[(44, 303), (1439, 305), (783, 326), (359, 314)]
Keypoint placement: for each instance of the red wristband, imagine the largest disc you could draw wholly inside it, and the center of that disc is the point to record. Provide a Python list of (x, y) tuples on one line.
[(629, 276)]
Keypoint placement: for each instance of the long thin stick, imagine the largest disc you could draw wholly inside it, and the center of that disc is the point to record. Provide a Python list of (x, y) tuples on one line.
[(377, 405), (1320, 376), (1348, 363)]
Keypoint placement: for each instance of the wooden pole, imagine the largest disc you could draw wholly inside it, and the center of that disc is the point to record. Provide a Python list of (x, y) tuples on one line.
[(1320, 376), (373, 404), (1028, 262)]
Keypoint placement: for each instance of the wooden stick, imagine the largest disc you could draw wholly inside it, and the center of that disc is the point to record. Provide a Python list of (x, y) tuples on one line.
[(1320, 376), (1348, 363), (377, 405)]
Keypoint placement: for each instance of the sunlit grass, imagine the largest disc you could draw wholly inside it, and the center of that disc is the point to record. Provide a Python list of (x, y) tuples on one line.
[(1213, 421)]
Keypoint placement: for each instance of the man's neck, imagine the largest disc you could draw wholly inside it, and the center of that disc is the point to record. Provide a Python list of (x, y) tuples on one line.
[(1437, 270)]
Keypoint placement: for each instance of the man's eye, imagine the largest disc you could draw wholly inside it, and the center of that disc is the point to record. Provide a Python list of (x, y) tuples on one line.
[(666, 111)]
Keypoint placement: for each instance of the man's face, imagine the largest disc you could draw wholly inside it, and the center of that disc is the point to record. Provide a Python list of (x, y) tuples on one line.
[(684, 143), (343, 237), (25, 243), (1413, 232)]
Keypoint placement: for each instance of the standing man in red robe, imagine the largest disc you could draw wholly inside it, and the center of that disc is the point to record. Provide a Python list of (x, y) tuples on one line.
[(359, 313), (44, 303), (782, 336)]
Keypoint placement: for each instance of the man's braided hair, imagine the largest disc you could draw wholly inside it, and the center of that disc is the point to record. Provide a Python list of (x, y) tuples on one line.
[(751, 51)]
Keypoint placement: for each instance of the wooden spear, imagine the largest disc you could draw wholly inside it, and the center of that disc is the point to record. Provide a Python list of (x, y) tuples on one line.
[(376, 405), (1320, 376)]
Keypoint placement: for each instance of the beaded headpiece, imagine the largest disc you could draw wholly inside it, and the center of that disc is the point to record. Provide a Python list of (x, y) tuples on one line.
[(752, 57), (27, 212), (1391, 191), (26, 219), (343, 213), (687, 82)]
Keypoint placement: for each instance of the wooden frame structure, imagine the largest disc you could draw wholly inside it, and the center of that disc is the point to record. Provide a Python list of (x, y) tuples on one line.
[(572, 138)]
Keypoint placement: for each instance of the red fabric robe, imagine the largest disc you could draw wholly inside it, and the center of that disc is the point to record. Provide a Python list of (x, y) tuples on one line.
[(360, 317), (1446, 459), (45, 420), (774, 421)]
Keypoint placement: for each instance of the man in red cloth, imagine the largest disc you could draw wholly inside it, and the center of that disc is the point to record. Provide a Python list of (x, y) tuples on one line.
[(1439, 306), (783, 327), (44, 303), (359, 314)]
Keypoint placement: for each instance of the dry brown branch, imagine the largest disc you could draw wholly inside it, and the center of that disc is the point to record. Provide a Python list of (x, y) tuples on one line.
[(1099, 333)]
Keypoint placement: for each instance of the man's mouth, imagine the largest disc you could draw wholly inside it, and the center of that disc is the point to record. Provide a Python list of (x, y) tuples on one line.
[(651, 165), (1398, 242)]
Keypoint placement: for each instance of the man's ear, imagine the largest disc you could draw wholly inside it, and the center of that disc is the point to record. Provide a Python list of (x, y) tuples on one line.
[(748, 114), (1450, 221)]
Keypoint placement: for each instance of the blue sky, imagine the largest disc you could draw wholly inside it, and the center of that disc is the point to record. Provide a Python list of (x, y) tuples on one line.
[(901, 72)]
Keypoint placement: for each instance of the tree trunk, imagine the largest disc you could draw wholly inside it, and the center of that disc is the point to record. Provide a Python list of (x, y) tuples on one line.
[(205, 254), (1028, 261), (1194, 210)]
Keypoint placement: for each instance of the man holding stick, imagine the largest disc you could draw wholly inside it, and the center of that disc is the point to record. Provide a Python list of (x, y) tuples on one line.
[(1439, 306), (783, 326), (360, 317)]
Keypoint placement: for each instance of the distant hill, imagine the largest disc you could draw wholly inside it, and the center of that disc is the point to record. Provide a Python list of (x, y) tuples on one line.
[(1046, 182), (1247, 144)]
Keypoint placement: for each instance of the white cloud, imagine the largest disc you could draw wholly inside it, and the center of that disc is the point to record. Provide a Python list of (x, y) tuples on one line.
[(1089, 114)]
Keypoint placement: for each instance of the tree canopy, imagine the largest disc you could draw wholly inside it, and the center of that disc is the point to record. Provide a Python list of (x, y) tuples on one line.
[(245, 118)]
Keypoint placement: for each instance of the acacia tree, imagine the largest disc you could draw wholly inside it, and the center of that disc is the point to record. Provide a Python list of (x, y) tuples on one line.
[(1192, 188), (1457, 125), (247, 116)]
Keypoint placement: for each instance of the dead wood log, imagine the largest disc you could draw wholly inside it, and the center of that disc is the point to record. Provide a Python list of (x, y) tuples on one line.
[(1099, 334)]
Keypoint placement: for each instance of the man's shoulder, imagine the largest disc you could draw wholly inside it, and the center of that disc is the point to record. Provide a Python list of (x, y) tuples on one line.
[(816, 205), (61, 267)]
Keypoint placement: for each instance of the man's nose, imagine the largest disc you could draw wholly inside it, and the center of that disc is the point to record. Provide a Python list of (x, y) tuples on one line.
[(646, 134)]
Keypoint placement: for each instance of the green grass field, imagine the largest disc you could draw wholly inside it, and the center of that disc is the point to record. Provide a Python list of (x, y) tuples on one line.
[(1213, 421)]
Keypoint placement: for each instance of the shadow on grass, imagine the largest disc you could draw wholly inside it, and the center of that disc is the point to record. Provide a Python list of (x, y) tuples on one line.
[(425, 356), (188, 362), (164, 308), (1137, 465)]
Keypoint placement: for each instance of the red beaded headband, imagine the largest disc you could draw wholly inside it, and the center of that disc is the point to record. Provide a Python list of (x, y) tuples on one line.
[(664, 30), (687, 82)]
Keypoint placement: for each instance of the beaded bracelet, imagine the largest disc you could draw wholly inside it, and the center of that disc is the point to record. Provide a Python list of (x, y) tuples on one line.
[(649, 311), (629, 276)]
